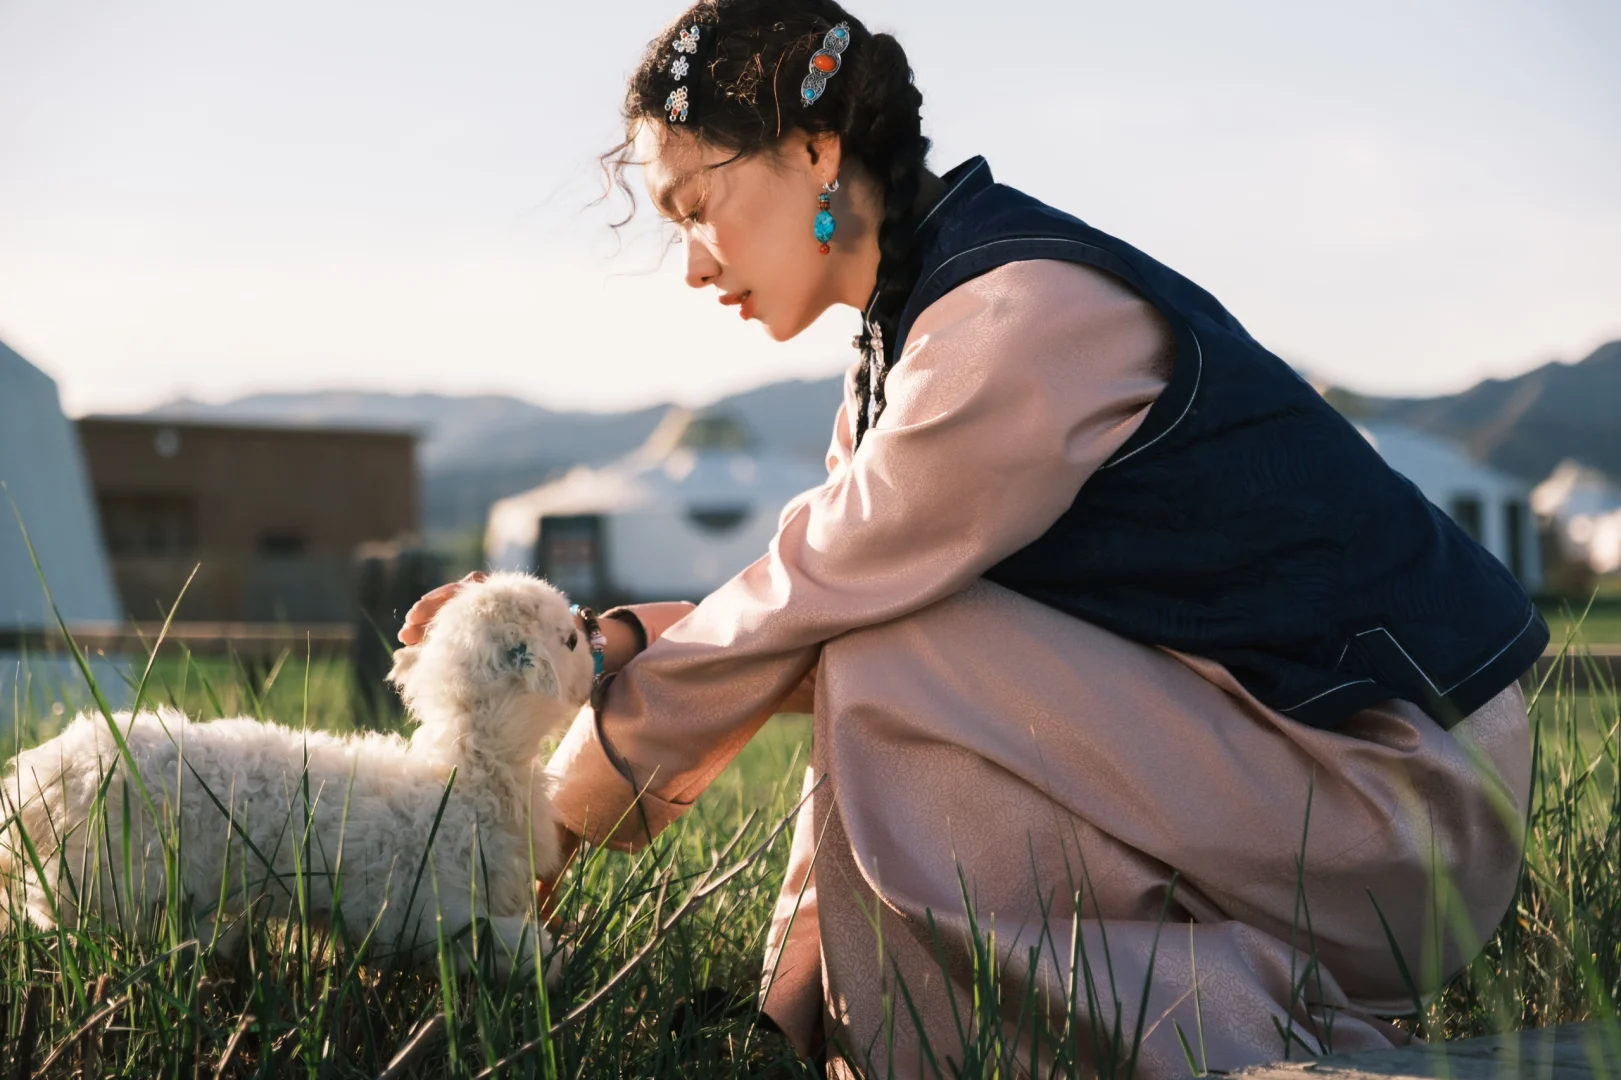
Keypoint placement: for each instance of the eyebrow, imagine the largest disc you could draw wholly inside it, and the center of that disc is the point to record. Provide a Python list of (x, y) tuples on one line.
[(666, 191)]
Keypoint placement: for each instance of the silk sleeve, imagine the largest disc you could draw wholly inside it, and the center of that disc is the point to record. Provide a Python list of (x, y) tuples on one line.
[(1012, 389)]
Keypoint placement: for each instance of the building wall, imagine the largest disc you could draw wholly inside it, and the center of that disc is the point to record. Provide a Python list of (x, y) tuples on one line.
[(272, 515)]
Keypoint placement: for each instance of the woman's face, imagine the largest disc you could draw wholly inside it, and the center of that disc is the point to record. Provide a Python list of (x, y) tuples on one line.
[(746, 222)]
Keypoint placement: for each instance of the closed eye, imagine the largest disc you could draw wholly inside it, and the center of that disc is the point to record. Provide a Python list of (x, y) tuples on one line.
[(572, 640)]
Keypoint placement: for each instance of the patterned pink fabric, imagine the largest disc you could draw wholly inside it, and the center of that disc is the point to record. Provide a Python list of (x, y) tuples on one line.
[(1066, 772)]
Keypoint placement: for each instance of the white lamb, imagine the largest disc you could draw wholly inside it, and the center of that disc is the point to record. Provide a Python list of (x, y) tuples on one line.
[(251, 808)]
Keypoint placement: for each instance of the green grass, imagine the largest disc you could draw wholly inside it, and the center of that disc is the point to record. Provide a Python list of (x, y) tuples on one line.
[(1597, 626), (299, 1002)]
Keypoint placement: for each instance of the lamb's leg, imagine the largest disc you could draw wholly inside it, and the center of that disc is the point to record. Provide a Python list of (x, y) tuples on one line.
[(519, 941), (227, 932)]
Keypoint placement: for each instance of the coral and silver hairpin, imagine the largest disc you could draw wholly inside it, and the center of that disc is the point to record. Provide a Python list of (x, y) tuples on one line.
[(824, 63)]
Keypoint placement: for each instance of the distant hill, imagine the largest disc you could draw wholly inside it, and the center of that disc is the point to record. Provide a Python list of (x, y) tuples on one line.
[(1526, 425), (475, 450), (478, 449)]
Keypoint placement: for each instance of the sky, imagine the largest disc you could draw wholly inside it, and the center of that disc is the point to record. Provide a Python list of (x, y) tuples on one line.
[(203, 199)]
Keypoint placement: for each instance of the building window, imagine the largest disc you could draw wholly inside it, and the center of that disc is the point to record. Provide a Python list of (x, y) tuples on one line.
[(1467, 511), (282, 544), (137, 525), (569, 555), (1514, 528), (717, 519)]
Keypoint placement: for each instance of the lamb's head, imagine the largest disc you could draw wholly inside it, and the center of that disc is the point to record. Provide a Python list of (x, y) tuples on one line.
[(501, 667)]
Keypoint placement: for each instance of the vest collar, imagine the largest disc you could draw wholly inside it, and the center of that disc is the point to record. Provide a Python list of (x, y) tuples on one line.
[(963, 182)]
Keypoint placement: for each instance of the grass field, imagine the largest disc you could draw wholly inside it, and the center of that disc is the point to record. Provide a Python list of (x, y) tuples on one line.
[(93, 1001), (1594, 624), (1600, 629)]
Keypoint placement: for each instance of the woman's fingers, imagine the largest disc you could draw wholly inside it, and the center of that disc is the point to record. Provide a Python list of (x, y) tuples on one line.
[(423, 611)]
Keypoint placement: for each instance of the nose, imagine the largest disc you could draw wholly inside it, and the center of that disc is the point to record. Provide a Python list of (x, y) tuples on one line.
[(702, 269)]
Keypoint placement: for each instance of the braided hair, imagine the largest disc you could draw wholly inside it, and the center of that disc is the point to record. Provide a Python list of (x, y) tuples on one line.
[(743, 95)]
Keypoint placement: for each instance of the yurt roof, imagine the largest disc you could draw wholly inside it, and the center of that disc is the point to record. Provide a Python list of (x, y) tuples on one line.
[(691, 460), (1573, 488)]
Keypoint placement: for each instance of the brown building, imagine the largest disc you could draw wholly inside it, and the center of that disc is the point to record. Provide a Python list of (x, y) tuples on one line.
[(271, 516)]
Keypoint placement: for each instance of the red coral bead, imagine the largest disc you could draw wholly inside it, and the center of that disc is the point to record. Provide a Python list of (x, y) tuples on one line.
[(824, 62), (824, 249)]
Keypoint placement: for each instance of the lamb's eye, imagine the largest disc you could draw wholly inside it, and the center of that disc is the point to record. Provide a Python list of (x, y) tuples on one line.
[(573, 639)]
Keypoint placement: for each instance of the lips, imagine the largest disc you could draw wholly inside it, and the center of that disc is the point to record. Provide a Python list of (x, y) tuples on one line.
[(740, 301)]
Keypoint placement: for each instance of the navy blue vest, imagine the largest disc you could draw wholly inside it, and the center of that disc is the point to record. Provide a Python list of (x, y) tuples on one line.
[(1245, 521)]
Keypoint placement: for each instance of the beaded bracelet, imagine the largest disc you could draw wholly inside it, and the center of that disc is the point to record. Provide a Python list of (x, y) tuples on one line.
[(593, 636)]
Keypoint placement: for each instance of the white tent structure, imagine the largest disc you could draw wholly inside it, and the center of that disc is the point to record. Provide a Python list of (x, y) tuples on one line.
[(694, 505), (1586, 508), (1491, 506), (45, 478)]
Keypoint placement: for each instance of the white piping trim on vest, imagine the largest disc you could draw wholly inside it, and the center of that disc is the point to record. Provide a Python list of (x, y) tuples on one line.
[(1325, 693), (1198, 348), (952, 190), (1198, 375), (1528, 621), (1405, 653), (1443, 693)]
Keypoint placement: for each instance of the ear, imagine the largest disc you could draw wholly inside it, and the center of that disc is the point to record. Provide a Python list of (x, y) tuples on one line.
[(535, 669), (405, 658), (826, 153)]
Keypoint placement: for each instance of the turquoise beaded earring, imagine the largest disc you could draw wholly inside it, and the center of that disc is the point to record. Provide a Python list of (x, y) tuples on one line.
[(824, 217)]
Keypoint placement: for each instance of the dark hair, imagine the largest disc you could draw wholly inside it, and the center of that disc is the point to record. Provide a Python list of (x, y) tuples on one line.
[(744, 96)]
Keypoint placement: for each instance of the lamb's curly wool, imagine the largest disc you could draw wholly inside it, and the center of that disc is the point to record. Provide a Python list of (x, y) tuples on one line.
[(501, 668)]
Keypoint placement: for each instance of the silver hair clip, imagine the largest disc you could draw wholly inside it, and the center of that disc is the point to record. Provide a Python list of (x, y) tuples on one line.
[(824, 63), (676, 104), (686, 42)]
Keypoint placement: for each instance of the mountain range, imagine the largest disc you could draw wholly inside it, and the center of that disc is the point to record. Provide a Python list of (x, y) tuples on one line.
[(1526, 425), (475, 450)]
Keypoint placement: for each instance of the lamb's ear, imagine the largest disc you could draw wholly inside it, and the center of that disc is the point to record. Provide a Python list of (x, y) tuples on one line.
[(535, 669), (405, 659)]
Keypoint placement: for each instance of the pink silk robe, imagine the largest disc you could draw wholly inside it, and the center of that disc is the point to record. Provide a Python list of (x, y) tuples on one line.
[(1065, 771)]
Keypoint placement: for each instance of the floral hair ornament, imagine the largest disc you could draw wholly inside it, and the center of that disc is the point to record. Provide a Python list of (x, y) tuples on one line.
[(824, 63), (676, 104), (686, 42), (685, 45)]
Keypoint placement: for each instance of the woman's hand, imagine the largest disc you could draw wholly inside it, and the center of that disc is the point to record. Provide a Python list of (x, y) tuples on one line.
[(568, 844), (423, 611)]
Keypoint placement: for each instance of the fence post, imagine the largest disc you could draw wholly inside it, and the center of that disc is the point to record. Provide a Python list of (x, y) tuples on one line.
[(389, 578)]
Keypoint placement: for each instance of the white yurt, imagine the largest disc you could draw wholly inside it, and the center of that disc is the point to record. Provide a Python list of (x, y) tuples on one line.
[(1491, 506), (44, 475), (1586, 508), (697, 503)]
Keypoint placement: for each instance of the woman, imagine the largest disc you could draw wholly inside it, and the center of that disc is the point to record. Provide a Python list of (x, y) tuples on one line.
[(1109, 624)]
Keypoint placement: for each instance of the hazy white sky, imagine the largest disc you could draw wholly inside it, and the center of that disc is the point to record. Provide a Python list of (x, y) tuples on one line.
[(210, 198)]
